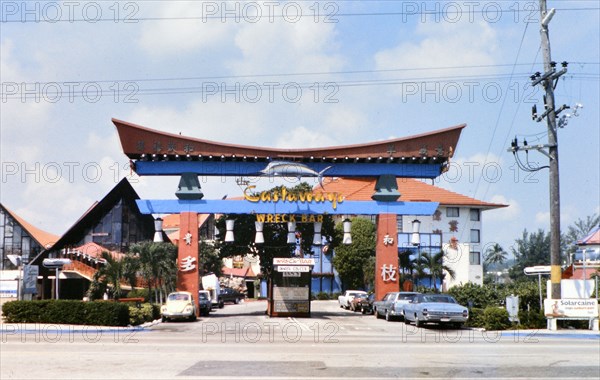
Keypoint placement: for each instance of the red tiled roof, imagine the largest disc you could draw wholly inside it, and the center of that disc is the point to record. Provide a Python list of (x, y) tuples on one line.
[(411, 190), (45, 239), (238, 272), (584, 274), (592, 238)]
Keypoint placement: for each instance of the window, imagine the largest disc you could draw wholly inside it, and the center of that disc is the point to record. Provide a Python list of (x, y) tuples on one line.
[(399, 223), (474, 236), (475, 258), (452, 212), (475, 215)]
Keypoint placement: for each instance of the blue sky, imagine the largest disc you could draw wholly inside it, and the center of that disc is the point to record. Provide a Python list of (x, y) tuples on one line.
[(345, 72)]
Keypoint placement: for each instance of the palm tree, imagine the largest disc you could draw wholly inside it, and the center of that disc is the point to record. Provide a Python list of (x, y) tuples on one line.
[(110, 274), (495, 255), (433, 264), (158, 265)]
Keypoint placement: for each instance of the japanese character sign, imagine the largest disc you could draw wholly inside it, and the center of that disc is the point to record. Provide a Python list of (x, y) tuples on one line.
[(388, 240), (187, 264), (188, 238), (388, 273)]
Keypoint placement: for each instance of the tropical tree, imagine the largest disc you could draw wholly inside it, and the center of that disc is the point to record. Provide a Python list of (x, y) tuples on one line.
[(209, 259), (433, 265), (158, 265), (494, 255), (530, 250), (112, 273), (580, 229), (351, 260)]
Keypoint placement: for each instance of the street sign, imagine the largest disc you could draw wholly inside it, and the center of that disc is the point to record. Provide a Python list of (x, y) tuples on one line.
[(292, 268), (538, 269), (55, 263), (30, 275)]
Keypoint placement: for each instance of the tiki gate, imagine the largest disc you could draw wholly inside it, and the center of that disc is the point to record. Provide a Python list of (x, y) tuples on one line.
[(152, 152)]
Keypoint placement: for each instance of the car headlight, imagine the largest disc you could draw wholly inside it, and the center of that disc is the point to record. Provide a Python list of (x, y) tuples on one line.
[(163, 309), (188, 309), (466, 313), (424, 311)]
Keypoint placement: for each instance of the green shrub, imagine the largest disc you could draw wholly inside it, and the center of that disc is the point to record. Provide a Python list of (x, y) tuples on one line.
[(475, 318), (322, 296), (496, 318), (67, 312), (145, 313), (139, 293), (474, 295), (532, 319)]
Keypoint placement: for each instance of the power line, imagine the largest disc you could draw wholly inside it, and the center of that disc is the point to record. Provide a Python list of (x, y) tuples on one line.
[(332, 16), (316, 73)]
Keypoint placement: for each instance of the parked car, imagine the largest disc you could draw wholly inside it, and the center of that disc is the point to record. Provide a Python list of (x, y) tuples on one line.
[(390, 305), (366, 304), (345, 299), (231, 295), (205, 302), (435, 308), (180, 305), (356, 303)]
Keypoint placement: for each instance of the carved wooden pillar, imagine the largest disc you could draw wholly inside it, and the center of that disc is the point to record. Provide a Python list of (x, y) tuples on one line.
[(386, 259), (187, 262)]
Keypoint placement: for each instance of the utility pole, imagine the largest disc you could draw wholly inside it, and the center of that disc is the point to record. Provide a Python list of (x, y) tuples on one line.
[(548, 80), (549, 66)]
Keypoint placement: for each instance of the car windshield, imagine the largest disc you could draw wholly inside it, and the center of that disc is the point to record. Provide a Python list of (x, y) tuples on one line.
[(406, 296), (358, 294), (438, 298), (203, 296), (178, 297)]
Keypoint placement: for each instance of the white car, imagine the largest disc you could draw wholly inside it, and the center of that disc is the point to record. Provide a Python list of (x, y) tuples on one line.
[(345, 299), (180, 305)]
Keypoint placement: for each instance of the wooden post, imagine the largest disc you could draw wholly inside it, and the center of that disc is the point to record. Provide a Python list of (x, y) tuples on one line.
[(187, 263), (387, 275)]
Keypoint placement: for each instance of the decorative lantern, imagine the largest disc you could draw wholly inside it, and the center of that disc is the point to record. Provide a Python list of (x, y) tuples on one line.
[(259, 238), (317, 236), (416, 238), (291, 236), (229, 234), (347, 229), (158, 230)]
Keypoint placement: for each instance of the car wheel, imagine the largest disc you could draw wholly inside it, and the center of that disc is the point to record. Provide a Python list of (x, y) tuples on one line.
[(164, 319), (221, 304), (236, 301), (417, 322), (406, 320), (377, 314)]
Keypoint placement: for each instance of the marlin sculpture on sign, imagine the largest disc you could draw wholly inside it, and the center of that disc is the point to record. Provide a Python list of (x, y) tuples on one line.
[(292, 169)]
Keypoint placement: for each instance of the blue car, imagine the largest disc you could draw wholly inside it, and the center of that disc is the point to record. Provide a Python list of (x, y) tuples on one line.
[(435, 308)]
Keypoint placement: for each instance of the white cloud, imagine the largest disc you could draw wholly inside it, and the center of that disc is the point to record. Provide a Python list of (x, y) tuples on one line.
[(444, 45), (505, 214), (183, 37), (542, 217)]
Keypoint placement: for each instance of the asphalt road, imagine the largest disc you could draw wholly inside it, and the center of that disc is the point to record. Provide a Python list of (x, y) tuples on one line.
[(240, 341)]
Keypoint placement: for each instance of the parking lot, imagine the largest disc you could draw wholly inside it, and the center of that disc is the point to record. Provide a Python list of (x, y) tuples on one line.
[(241, 341)]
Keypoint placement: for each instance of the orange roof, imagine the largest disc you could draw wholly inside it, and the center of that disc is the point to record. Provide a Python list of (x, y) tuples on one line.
[(45, 239), (238, 272), (411, 190), (172, 221), (592, 238)]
